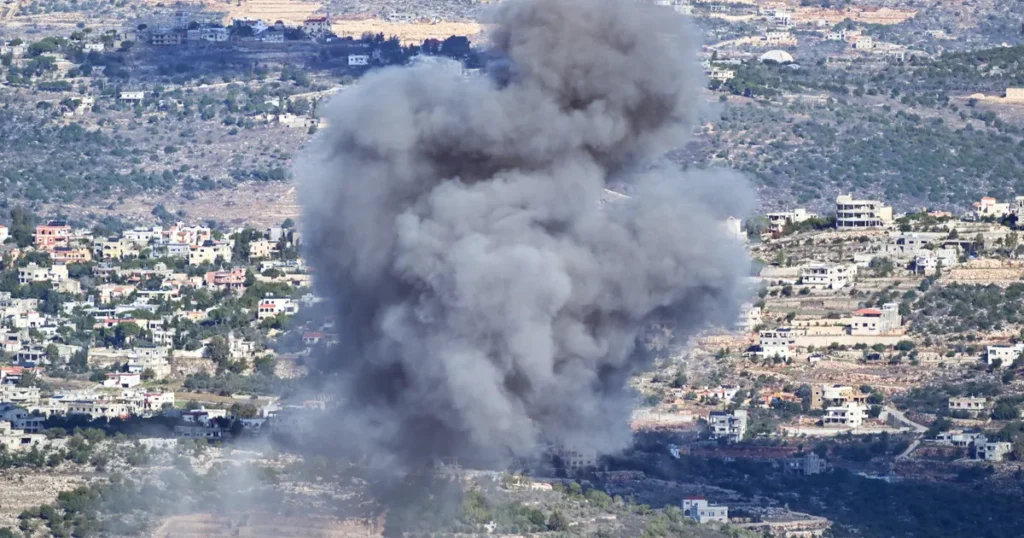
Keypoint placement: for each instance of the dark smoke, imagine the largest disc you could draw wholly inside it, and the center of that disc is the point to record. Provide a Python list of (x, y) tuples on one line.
[(488, 303)]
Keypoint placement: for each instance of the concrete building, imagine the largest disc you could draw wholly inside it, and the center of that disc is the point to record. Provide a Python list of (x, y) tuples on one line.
[(777, 221), (33, 273), (850, 415), (209, 252), (261, 248), (13, 439), (577, 459), (958, 438), (51, 235), (983, 449), (316, 26), (827, 276), (876, 322), (273, 306), (859, 214), (726, 425), (124, 380), (823, 396), (750, 317), (974, 405), (807, 465), (698, 509), (1007, 354), (990, 207), (929, 261)]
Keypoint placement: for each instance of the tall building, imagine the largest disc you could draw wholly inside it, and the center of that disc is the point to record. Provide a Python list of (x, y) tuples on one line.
[(855, 214)]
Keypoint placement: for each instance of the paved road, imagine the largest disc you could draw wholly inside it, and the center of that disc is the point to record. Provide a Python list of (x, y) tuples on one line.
[(918, 429)]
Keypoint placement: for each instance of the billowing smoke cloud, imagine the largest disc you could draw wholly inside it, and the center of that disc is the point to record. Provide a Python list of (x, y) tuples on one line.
[(488, 302)]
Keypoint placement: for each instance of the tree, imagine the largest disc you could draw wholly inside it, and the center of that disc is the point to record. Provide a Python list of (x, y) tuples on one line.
[(218, 350), (1005, 411), (557, 521), (23, 226)]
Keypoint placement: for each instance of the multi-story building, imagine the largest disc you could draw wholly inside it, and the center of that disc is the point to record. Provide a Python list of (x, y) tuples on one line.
[(51, 235), (317, 26), (729, 426), (983, 449), (261, 248), (34, 273), (876, 322), (226, 280), (823, 396), (850, 415), (990, 207), (858, 214), (827, 276), (71, 255), (958, 438), (209, 252), (777, 221), (750, 317), (929, 261), (698, 509), (273, 306), (808, 464), (1007, 354)]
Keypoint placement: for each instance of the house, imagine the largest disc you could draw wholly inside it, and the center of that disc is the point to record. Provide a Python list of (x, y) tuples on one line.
[(734, 227), (132, 95), (576, 459), (113, 248), (983, 449), (750, 317), (273, 306), (823, 396), (876, 322), (20, 418), (164, 38), (807, 465), (929, 261), (778, 37), (729, 426), (776, 343), (698, 509), (124, 380), (990, 207), (33, 273), (1006, 354), (109, 292), (862, 42), (92, 47), (97, 409), (70, 255), (858, 214), (777, 221), (198, 431), (214, 34), (141, 237), (5, 232), (827, 276), (257, 25), (850, 415), (209, 252), (905, 246), (188, 235), (958, 438), (226, 280), (973, 405), (155, 401), (317, 26), (272, 36), (12, 439), (52, 234), (261, 248), (721, 75), (358, 60)]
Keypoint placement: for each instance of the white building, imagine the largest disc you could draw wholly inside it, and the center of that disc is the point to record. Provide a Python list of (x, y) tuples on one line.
[(1007, 354), (734, 227), (851, 415), (34, 273), (807, 465), (827, 276), (316, 26), (777, 221), (133, 96), (214, 35), (729, 426), (5, 232), (876, 322), (209, 252), (990, 207), (929, 261), (358, 60), (971, 404), (750, 317), (273, 306), (857, 214), (698, 509), (958, 438), (124, 380)]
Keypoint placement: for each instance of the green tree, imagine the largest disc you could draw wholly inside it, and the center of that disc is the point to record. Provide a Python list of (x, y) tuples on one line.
[(557, 522), (218, 350)]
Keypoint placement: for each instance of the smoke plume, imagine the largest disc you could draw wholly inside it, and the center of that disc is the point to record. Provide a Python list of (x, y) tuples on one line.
[(489, 299)]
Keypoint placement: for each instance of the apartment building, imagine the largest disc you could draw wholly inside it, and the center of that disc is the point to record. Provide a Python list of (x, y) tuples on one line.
[(973, 405), (698, 509), (828, 276), (777, 221), (729, 426), (859, 214), (1007, 354), (850, 415)]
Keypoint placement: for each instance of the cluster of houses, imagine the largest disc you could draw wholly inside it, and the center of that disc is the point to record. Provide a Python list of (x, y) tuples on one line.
[(189, 27)]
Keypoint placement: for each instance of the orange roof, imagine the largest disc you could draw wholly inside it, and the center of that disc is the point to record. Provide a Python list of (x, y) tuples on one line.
[(867, 312)]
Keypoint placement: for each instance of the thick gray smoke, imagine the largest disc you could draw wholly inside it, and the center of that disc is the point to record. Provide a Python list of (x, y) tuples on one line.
[(488, 303)]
